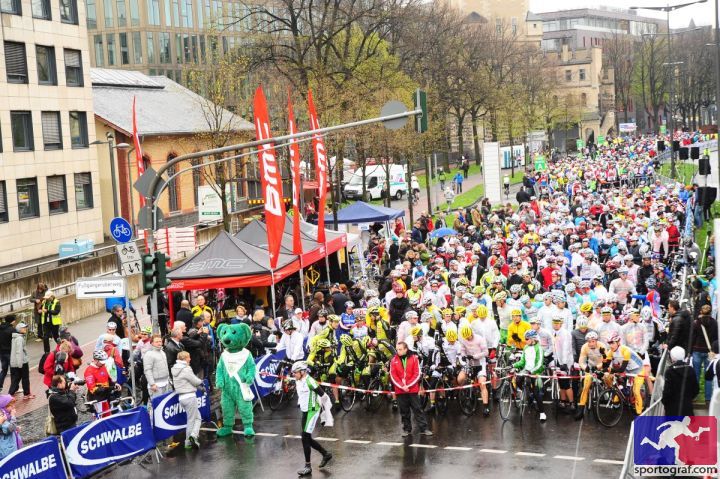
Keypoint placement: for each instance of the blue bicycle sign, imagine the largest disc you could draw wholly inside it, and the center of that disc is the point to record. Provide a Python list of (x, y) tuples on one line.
[(120, 230)]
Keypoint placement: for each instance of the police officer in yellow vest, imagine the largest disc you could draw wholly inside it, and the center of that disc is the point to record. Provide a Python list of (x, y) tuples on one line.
[(50, 319)]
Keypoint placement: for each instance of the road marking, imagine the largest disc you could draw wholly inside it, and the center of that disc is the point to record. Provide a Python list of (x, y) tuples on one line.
[(530, 454), (608, 461), (356, 441), (320, 438), (457, 448), (266, 434), (290, 436), (426, 446), (493, 451), (569, 458), (389, 443)]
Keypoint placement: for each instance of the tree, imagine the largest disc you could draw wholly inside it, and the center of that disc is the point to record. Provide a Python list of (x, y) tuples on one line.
[(696, 89), (619, 54), (650, 79)]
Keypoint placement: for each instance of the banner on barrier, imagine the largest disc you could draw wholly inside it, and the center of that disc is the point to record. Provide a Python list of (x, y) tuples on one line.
[(42, 460), (98, 444), (169, 416), (264, 366)]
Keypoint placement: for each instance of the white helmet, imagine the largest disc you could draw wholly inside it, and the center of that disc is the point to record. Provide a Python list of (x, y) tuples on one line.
[(299, 366)]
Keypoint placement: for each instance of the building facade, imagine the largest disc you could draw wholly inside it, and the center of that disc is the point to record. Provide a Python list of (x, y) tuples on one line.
[(49, 182)]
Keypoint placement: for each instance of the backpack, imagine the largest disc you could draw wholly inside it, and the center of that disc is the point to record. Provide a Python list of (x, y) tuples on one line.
[(41, 364)]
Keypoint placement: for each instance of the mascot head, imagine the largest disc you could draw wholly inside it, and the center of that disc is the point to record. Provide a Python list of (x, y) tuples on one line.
[(234, 337)]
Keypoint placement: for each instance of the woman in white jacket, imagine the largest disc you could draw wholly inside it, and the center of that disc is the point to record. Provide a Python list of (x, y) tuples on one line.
[(186, 384)]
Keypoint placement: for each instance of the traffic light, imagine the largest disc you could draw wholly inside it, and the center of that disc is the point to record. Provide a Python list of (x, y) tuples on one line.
[(162, 280), (421, 121), (149, 271)]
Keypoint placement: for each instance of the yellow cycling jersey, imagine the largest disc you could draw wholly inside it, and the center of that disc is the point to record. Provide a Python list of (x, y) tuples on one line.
[(519, 330), (624, 354)]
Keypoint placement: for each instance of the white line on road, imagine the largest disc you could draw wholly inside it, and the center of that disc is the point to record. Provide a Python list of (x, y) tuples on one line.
[(608, 461), (569, 458), (290, 436), (389, 443), (266, 434), (530, 454), (426, 446), (332, 439), (457, 448), (493, 451), (356, 441)]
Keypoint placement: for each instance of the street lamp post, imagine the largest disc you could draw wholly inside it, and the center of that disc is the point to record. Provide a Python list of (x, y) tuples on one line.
[(111, 152)]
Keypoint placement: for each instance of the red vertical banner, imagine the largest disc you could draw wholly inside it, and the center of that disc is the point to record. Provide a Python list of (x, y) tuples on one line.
[(318, 146), (271, 179), (138, 152), (295, 170)]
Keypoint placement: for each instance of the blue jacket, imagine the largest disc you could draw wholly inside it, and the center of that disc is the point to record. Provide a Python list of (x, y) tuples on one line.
[(8, 441)]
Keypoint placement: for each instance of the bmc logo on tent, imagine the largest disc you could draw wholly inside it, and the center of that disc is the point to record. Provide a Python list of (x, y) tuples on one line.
[(675, 445)]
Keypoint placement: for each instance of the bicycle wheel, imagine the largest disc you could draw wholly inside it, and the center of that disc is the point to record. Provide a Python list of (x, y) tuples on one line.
[(609, 407), (347, 397), (425, 397), (468, 401), (276, 398), (442, 399), (506, 400), (374, 400), (521, 398)]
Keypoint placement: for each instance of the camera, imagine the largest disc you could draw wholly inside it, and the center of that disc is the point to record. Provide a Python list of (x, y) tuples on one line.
[(71, 378)]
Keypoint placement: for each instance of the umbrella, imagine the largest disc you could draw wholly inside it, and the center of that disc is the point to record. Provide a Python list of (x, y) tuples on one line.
[(442, 232)]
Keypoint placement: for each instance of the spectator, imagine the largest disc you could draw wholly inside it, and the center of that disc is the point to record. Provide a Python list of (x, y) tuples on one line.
[(705, 333), (240, 316), (405, 376), (200, 307), (77, 352), (58, 362), (681, 385), (110, 330), (184, 315), (449, 197), (195, 344), (339, 297), (712, 372), (9, 435), (317, 304), (19, 369), (174, 345), (458, 180), (186, 384), (680, 329), (144, 344), (288, 308), (38, 298), (62, 399), (50, 319), (6, 332), (156, 369), (117, 317)]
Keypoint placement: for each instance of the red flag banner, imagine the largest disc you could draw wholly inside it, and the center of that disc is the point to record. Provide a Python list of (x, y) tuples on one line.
[(271, 179), (318, 146), (138, 150), (295, 170)]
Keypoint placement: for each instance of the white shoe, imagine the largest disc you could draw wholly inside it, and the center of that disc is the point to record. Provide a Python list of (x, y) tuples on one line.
[(543, 417)]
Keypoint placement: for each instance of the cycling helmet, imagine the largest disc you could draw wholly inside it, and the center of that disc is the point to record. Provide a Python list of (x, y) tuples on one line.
[(556, 318), (466, 332), (531, 334), (482, 311), (481, 290), (582, 322), (570, 288), (447, 311), (346, 340), (372, 310), (288, 325), (451, 335), (534, 320), (411, 314), (460, 310), (299, 366), (558, 296), (427, 300), (100, 355), (586, 307), (524, 298), (516, 312), (501, 296), (323, 313), (614, 338), (606, 310), (371, 293), (147, 330), (468, 297), (349, 304), (324, 343), (646, 313), (651, 282), (414, 302), (416, 331), (515, 288), (591, 335), (373, 303), (334, 318), (426, 316)]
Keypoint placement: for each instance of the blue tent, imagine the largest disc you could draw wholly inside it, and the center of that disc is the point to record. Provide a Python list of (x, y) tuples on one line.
[(361, 212)]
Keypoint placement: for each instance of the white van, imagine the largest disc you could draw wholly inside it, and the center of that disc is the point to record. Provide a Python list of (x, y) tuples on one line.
[(376, 183)]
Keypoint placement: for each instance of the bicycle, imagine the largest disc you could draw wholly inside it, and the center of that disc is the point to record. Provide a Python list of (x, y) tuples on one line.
[(380, 388), (510, 395), (468, 397), (108, 407), (613, 400), (283, 388), (594, 394)]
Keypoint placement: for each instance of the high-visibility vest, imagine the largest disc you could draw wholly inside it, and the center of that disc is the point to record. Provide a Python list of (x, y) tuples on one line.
[(56, 319)]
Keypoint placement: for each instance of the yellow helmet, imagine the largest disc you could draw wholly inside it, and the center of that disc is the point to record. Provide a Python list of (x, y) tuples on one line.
[(365, 341), (447, 311), (416, 331), (374, 310), (586, 307), (482, 311), (516, 312), (466, 332), (501, 296), (451, 335), (334, 318), (346, 340), (324, 343), (460, 310)]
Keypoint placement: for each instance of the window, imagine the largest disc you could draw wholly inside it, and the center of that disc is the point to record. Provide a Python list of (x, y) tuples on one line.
[(108, 8), (202, 49), (110, 37), (27, 193), (52, 133), (168, 15), (134, 13), (99, 52), (41, 9), (179, 48), (583, 99), (15, 62), (173, 196), (83, 191), (11, 6), (189, 13), (153, 12), (186, 48), (200, 14), (165, 53), (22, 130), (176, 13), (45, 56), (124, 51), (78, 129), (137, 48), (513, 25), (582, 74), (3, 203), (498, 25), (151, 48), (73, 68), (568, 75), (91, 9), (68, 11), (57, 195), (122, 13), (194, 42)]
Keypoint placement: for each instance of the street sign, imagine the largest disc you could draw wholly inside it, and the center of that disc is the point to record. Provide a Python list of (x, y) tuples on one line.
[(663, 130), (142, 185), (579, 144), (209, 204), (144, 218), (130, 260), (540, 163), (627, 127), (120, 230), (94, 288), (394, 107), (601, 140)]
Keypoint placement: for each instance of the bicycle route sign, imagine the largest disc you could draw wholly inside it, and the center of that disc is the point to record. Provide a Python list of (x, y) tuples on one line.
[(129, 258), (120, 230), (92, 288)]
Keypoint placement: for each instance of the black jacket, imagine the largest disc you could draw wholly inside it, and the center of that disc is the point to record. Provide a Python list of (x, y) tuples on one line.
[(700, 344), (186, 316), (397, 308), (680, 331), (338, 301), (171, 351), (680, 389), (197, 346), (62, 407), (120, 331), (6, 332)]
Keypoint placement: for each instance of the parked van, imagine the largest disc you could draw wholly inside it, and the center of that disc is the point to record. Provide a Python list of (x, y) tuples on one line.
[(376, 183)]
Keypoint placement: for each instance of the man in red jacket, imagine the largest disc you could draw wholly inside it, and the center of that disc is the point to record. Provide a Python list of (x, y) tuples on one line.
[(405, 376)]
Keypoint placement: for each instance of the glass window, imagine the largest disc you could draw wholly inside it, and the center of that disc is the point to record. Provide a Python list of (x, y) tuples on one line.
[(568, 75), (122, 13), (173, 197), (57, 194), (178, 48), (3, 203), (134, 13), (45, 57), (153, 12), (68, 11), (15, 62), (91, 9), (22, 130), (41, 9), (73, 67), (27, 193), (176, 13), (99, 52), (51, 130), (78, 129), (194, 48), (582, 74), (151, 47), (168, 14), (110, 37), (165, 54), (189, 16), (137, 48), (200, 13), (83, 191), (108, 8), (202, 49), (11, 6), (124, 51)]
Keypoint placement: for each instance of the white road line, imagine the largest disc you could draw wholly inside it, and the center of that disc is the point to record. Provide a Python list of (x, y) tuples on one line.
[(356, 441), (331, 439), (457, 448), (389, 443), (608, 461), (530, 454), (290, 436), (493, 451), (266, 434), (425, 446), (569, 458)]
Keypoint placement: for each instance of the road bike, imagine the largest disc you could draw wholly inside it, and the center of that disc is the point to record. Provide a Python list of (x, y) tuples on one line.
[(468, 396), (612, 401), (283, 389), (108, 407), (379, 386), (511, 395)]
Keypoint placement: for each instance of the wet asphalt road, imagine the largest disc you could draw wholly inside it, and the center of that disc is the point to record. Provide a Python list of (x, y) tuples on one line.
[(461, 447)]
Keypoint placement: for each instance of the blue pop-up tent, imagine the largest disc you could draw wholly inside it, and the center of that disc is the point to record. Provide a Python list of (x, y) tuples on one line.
[(361, 212)]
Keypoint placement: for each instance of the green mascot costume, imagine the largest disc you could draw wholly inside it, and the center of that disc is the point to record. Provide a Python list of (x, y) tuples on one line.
[(234, 376)]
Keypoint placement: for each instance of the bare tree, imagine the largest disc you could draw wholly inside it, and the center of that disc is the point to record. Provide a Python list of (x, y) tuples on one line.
[(651, 77), (619, 54)]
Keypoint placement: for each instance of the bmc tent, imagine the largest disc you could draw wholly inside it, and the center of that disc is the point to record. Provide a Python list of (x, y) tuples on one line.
[(361, 212)]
